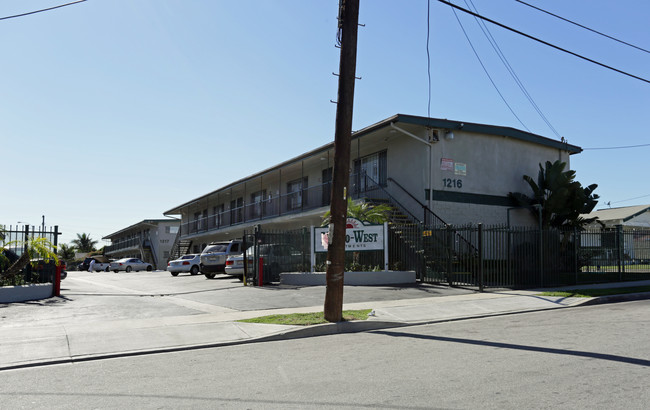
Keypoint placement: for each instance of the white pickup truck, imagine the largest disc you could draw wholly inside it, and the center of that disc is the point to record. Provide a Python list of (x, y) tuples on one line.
[(101, 264)]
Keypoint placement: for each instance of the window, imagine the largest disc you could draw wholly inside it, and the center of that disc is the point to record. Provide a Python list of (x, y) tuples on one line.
[(197, 221), (236, 214), (218, 211), (296, 194), (258, 206), (166, 254), (326, 177), (370, 171)]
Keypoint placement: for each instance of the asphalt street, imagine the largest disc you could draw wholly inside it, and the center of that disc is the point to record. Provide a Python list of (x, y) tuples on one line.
[(594, 357)]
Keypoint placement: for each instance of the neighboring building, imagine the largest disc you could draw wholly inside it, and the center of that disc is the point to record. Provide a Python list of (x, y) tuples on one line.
[(150, 240), (629, 223), (629, 217), (432, 170)]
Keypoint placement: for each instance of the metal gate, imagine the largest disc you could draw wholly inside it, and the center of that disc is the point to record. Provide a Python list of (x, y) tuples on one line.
[(272, 252)]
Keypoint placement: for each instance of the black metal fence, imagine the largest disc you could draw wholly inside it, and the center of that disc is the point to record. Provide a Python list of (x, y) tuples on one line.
[(524, 257), (474, 256), (14, 241), (278, 251)]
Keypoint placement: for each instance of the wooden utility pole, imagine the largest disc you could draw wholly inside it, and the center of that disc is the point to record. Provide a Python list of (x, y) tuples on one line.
[(348, 27)]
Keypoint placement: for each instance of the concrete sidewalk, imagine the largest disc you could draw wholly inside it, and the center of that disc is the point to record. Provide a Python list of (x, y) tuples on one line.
[(73, 342)]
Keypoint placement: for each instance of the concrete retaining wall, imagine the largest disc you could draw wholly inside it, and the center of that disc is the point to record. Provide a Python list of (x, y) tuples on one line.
[(24, 293), (350, 278)]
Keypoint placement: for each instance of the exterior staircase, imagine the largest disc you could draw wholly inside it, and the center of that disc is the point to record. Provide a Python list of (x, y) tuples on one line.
[(180, 247), (437, 252), (148, 253)]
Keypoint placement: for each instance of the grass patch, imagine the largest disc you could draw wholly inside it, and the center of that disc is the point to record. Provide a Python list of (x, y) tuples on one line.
[(306, 319), (588, 293)]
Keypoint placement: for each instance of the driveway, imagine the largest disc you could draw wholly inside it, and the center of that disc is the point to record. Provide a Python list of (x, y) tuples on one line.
[(95, 297)]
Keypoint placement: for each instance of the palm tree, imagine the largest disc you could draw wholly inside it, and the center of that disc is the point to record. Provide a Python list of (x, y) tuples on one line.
[(83, 243), (558, 196), (364, 211), (66, 252)]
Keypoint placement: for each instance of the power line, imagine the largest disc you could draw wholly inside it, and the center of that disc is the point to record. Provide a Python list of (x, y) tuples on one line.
[(630, 199), (511, 70), (487, 73), (621, 147), (544, 42), (581, 26), (40, 11)]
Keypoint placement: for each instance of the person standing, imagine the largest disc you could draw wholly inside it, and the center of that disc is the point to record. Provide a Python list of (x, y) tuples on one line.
[(91, 265)]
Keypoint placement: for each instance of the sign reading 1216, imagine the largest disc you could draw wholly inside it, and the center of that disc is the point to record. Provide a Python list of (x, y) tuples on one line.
[(358, 237)]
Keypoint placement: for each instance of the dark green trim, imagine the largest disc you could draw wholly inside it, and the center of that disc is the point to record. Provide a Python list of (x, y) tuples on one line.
[(490, 130), (475, 199)]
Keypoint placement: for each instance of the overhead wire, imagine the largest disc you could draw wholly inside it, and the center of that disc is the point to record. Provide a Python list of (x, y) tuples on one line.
[(584, 27), (630, 199), (506, 63), (42, 10), (544, 42), (486, 71), (621, 147)]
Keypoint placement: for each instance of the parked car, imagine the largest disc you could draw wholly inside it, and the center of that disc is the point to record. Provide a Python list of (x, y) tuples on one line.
[(213, 257), (189, 263), (129, 264), (276, 258), (102, 264)]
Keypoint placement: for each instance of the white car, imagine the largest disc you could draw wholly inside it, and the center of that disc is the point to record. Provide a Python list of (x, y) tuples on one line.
[(129, 264), (235, 265), (189, 263), (276, 258)]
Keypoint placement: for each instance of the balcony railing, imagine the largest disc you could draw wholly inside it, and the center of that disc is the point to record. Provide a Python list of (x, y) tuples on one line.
[(124, 244), (316, 196)]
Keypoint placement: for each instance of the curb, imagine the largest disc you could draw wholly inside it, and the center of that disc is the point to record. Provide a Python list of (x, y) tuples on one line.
[(627, 297)]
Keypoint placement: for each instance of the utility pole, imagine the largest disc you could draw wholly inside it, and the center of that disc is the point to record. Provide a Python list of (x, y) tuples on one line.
[(348, 27)]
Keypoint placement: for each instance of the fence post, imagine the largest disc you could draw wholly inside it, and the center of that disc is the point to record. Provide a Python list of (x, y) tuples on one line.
[(256, 251), (450, 255), (576, 248), (619, 251), (480, 257)]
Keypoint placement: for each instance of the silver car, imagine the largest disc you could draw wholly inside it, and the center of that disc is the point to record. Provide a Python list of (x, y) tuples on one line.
[(188, 263), (129, 264)]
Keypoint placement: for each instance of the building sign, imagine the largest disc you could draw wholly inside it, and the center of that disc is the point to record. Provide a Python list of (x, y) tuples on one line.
[(460, 168), (446, 164), (358, 237)]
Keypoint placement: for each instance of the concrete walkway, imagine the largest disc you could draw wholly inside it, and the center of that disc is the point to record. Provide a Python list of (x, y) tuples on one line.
[(74, 342)]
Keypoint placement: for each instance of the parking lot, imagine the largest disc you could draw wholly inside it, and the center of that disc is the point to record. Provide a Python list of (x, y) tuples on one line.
[(108, 296)]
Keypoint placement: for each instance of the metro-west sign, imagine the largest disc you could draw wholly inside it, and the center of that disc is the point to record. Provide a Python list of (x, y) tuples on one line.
[(358, 237)]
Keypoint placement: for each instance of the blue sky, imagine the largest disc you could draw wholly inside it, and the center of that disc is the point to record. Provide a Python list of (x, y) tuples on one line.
[(116, 111)]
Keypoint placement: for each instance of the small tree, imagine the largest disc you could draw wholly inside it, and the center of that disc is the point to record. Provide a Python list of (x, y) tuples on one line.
[(364, 211), (562, 199), (35, 250), (66, 252)]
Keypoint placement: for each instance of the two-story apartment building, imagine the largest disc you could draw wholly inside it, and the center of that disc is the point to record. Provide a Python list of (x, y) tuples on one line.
[(150, 240), (433, 170)]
